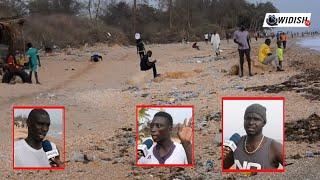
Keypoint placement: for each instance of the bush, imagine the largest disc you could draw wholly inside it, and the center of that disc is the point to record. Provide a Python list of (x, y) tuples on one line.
[(66, 30)]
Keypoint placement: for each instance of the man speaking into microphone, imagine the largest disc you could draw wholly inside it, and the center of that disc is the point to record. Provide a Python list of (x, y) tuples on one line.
[(164, 150), (253, 151), (33, 151)]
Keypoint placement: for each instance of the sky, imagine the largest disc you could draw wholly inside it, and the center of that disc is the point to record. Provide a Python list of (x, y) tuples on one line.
[(55, 114), (298, 6), (233, 112), (178, 114)]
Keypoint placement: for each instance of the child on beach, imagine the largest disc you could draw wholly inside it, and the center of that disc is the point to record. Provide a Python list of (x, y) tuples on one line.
[(280, 53)]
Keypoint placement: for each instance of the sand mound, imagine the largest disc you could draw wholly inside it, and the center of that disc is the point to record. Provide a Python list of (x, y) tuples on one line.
[(234, 70), (178, 75), (140, 77)]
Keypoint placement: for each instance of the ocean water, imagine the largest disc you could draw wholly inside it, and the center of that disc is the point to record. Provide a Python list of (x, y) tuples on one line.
[(312, 43)]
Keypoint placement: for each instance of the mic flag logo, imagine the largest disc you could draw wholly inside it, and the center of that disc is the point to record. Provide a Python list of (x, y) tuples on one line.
[(287, 20), (271, 20)]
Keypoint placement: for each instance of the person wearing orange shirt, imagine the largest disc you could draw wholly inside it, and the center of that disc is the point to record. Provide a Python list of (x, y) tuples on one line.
[(283, 39)]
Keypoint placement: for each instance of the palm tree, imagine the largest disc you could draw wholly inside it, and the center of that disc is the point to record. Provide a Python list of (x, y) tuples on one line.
[(144, 118)]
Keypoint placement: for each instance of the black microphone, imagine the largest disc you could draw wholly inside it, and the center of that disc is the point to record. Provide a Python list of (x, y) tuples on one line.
[(232, 142), (51, 153), (143, 148)]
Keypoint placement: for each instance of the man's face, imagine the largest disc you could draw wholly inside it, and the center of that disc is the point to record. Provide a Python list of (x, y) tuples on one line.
[(253, 123), (39, 127), (160, 129)]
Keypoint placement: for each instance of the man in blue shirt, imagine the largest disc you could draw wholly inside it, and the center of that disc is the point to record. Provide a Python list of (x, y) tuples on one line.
[(34, 62)]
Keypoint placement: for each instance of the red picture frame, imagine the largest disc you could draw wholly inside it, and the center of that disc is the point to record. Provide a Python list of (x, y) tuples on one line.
[(64, 134), (283, 142), (137, 135)]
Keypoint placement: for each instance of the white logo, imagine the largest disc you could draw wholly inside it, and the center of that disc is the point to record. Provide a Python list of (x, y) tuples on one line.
[(52, 153), (247, 165), (287, 20)]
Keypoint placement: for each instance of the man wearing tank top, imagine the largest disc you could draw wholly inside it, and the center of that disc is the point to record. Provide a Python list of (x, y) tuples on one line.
[(254, 150)]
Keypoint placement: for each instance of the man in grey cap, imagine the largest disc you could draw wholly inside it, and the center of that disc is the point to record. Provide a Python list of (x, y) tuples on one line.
[(254, 150)]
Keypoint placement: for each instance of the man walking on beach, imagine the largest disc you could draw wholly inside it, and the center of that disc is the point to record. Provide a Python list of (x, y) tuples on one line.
[(206, 37), (241, 37), (215, 41), (265, 55), (283, 38), (34, 62), (254, 150)]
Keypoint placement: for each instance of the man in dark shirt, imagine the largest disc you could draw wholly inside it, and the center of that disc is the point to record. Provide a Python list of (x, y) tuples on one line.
[(140, 48), (254, 150), (145, 64)]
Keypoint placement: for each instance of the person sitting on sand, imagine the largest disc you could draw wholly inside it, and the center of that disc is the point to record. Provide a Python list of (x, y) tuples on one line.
[(29, 152), (194, 45), (145, 64), (164, 150), (265, 55), (96, 57)]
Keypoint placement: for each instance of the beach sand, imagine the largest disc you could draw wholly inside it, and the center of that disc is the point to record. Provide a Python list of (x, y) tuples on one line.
[(100, 101)]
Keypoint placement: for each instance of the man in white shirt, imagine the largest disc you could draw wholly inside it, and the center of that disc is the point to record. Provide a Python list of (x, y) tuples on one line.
[(215, 41), (29, 152), (206, 38), (164, 150)]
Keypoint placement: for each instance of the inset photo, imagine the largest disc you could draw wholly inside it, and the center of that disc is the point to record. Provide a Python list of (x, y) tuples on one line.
[(165, 135), (38, 137), (252, 134)]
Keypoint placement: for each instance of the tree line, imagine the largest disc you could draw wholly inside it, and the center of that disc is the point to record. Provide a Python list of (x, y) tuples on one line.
[(159, 21)]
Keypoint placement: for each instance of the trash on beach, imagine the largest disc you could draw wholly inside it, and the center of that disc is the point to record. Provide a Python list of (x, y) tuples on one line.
[(209, 165), (239, 87), (79, 157), (307, 84), (306, 130), (175, 97), (309, 154)]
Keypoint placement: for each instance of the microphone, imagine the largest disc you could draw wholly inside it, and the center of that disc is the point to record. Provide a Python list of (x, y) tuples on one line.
[(143, 148), (51, 153), (232, 142)]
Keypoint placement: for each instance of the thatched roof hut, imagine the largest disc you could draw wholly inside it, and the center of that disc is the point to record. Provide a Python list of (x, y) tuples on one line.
[(11, 34)]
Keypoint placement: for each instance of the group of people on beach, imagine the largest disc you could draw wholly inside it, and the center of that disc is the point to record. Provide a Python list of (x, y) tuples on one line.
[(265, 56), (241, 37), (16, 60)]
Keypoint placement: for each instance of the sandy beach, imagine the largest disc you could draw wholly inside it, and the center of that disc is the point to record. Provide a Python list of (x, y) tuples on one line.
[(100, 100)]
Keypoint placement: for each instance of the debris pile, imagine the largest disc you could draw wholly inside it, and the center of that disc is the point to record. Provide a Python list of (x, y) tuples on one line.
[(307, 84), (304, 129)]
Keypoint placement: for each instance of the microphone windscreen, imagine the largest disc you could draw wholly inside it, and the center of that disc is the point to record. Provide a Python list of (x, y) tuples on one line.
[(235, 138), (148, 143), (46, 145)]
